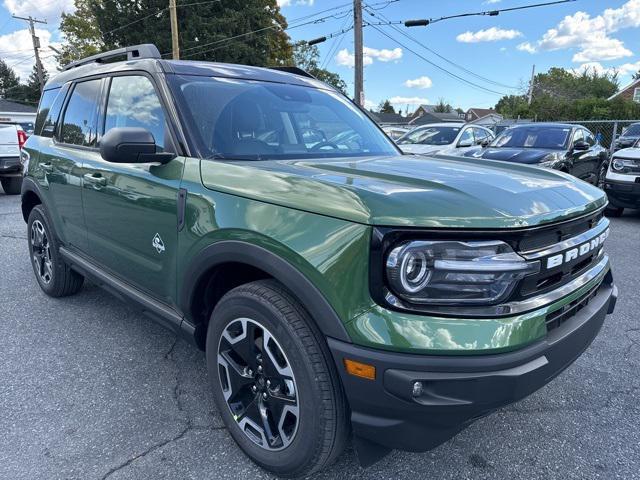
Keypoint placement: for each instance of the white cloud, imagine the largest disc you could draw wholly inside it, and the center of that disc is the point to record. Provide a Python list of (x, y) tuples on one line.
[(591, 35), (491, 2), (288, 3), (492, 34), (408, 100), (526, 47), (347, 59), (383, 55), (420, 82), (623, 70), (49, 11), (369, 105), (19, 53)]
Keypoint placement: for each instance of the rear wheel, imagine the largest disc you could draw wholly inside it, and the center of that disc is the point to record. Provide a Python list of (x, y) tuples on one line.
[(54, 276), (274, 381), (11, 185)]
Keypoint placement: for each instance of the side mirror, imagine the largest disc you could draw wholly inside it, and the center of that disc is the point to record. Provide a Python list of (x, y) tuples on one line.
[(131, 145), (485, 143), (465, 143), (581, 145)]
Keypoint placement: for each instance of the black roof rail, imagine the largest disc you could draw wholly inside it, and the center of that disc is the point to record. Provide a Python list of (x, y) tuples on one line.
[(135, 52), (295, 70)]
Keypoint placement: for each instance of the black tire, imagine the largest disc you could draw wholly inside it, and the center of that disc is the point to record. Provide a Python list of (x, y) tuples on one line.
[(11, 185), (613, 211), (54, 276), (323, 427)]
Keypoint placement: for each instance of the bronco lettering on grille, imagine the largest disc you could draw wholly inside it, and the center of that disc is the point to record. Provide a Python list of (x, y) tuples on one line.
[(577, 252)]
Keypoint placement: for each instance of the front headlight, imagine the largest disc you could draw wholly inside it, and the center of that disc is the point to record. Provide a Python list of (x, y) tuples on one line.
[(454, 272), (624, 165)]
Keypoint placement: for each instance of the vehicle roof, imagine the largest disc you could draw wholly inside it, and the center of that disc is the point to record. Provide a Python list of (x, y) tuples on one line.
[(185, 67), (443, 124), (546, 124)]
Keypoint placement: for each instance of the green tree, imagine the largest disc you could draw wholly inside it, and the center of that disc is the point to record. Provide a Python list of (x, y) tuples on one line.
[(636, 76), (386, 107), (443, 107), (9, 81), (214, 31), (307, 57), (513, 106)]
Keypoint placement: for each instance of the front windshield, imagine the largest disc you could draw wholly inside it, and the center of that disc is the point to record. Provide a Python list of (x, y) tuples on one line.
[(249, 120), (430, 136), (632, 130), (555, 138)]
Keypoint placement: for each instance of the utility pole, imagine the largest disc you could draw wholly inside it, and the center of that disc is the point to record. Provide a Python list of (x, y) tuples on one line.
[(359, 60), (174, 30), (530, 94), (36, 47)]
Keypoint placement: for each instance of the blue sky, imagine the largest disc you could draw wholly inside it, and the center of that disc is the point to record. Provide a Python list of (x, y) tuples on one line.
[(497, 52)]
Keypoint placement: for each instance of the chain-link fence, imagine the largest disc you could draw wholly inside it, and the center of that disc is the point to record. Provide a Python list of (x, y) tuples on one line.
[(607, 131)]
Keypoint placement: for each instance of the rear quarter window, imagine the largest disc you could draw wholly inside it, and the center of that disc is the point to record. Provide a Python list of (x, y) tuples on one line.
[(49, 111)]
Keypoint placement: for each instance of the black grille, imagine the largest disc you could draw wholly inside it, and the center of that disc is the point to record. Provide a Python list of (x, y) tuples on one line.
[(557, 318)]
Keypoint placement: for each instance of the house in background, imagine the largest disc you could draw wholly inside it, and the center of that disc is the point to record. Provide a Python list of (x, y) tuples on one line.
[(425, 114), (25, 115), (630, 92)]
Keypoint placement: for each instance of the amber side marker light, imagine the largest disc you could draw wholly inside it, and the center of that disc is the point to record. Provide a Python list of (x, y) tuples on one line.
[(359, 369)]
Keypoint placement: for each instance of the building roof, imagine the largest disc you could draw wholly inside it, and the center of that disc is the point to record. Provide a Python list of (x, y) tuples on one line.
[(635, 83), (388, 117), (14, 107), (431, 117), (481, 112)]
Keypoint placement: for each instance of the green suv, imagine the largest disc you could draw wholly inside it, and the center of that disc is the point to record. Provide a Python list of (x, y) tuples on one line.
[(336, 286)]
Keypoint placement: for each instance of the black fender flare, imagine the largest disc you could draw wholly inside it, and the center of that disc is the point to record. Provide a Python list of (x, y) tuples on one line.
[(29, 186), (225, 251)]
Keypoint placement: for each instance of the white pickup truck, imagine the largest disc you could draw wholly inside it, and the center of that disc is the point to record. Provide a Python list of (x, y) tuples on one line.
[(12, 138)]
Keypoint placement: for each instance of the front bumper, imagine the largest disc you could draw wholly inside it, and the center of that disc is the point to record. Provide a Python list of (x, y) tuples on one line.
[(456, 390), (623, 194)]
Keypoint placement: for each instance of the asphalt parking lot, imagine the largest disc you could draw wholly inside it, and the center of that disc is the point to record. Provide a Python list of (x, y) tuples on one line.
[(89, 389)]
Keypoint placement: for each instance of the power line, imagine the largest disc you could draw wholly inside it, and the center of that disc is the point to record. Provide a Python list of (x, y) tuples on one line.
[(436, 65), (442, 57), (490, 13)]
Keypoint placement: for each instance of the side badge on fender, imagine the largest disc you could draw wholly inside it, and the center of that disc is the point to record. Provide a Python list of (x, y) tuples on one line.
[(157, 243)]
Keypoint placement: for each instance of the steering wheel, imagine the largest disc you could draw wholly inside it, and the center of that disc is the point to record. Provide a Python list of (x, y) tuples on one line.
[(320, 145)]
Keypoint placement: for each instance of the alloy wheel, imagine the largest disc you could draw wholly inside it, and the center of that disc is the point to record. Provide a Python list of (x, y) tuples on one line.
[(41, 252), (258, 384)]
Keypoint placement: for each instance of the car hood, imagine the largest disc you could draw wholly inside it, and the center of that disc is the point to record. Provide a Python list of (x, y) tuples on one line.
[(442, 191), (417, 148), (517, 155), (628, 153)]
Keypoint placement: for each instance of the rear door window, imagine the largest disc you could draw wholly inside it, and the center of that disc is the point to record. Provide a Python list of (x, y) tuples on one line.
[(44, 109), (79, 124)]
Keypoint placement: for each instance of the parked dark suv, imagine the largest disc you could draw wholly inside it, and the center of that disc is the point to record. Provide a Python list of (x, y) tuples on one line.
[(336, 286), (569, 148)]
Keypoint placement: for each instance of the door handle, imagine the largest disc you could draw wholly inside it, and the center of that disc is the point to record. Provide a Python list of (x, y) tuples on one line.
[(95, 179)]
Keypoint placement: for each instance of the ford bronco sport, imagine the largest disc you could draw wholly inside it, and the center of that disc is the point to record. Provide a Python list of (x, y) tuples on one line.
[(336, 286)]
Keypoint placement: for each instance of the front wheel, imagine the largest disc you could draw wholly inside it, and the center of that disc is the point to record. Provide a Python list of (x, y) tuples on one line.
[(274, 382)]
